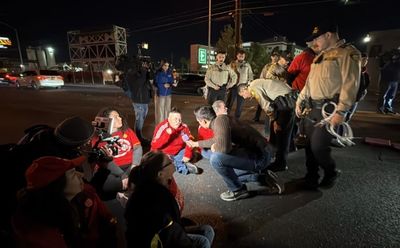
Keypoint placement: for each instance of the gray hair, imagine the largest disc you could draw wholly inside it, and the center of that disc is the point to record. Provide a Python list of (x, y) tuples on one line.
[(217, 105), (205, 112)]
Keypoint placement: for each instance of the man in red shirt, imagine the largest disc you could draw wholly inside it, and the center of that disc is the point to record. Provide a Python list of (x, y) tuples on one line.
[(300, 67), (170, 136)]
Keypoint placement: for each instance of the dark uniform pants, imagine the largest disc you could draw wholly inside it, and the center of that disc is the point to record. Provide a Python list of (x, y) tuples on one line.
[(318, 151), (281, 139), (214, 95)]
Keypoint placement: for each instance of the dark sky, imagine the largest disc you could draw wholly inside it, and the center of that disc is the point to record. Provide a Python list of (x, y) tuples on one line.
[(171, 26)]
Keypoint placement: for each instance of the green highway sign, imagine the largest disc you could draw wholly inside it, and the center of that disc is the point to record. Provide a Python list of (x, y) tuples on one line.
[(202, 56)]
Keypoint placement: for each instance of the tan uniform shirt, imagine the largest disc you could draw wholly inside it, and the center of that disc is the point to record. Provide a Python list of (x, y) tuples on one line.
[(219, 75), (268, 72), (244, 72), (334, 71), (264, 90)]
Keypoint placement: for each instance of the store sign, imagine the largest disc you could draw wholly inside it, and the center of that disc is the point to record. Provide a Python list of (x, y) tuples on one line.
[(202, 56), (5, 42)]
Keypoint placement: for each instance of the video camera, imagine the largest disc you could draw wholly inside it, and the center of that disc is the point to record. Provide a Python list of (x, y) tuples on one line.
[(103, 127)]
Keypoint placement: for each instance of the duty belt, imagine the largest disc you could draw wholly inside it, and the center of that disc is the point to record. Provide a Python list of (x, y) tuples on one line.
[(319, 103)]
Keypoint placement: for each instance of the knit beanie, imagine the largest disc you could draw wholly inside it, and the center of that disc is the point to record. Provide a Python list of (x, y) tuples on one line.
[(74, 131)]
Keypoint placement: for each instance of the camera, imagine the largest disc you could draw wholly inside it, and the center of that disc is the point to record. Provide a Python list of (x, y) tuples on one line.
[(103, 124), (103, 127)]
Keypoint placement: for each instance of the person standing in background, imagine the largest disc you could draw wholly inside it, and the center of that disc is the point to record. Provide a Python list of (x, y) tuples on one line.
[(219, 77), (164, 80), (245, 76)]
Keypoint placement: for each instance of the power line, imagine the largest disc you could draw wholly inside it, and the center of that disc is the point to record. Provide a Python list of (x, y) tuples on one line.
[(179, 22), (183, 15)]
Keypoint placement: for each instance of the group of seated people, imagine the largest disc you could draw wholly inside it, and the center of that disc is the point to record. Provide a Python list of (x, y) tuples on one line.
[(70, 191)]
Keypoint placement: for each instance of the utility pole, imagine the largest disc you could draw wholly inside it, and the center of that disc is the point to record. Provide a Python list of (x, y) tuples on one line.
[(209, 33), (238, 24)]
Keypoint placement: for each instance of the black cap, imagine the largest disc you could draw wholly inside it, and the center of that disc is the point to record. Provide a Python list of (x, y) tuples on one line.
[(322, 28), (74, 131)]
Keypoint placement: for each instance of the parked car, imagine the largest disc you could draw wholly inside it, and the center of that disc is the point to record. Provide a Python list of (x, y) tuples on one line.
[(3, 79), (189, 84), (40, 79), (8, 78)]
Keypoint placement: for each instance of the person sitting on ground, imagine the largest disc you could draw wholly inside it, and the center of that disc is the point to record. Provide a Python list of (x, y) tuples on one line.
[(129, 150), (250, 152), (56, 208), (152, 214), (170, 136), (205, 134)]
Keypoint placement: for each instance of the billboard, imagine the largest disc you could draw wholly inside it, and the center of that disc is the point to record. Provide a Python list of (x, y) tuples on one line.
[(5, 42)]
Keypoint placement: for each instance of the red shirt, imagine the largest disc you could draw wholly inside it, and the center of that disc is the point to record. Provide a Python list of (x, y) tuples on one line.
[(172, 143), (300, 67), (127, 140), (204, 133)]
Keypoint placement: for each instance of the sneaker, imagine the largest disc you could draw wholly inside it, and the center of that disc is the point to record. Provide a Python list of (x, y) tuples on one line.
[(381, 111), (329, 180), (235, 195), (271, 179), (391, 111), (274, 167), (193, 169)]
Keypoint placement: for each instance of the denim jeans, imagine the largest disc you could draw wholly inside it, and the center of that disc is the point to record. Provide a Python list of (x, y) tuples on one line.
[(206, 153), (390, 95), (141, 110), (179, 164), (225, 165), (202, 236)]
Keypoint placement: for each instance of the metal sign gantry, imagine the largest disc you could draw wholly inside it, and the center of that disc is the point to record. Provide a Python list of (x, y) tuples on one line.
[(96, 50)]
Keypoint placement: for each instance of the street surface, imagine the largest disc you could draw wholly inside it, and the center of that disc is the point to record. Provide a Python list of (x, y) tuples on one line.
[(362, 210)]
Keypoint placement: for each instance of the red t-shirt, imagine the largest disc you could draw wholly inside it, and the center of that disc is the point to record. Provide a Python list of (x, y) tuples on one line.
[(127, 140)]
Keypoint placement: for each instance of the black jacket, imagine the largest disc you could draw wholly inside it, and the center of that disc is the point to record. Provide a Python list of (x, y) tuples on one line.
[(150, 209), (139, 85)]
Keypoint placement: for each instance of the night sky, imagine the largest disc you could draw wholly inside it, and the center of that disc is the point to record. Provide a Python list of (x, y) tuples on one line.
[(171, 26)]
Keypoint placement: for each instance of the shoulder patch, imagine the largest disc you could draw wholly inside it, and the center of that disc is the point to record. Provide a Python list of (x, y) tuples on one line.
[(355, 57)]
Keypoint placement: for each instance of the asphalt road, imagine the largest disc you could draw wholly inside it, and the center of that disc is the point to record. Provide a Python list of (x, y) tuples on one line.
[(362, 210)]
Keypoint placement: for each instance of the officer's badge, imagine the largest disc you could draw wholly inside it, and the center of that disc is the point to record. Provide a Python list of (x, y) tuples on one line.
[(315, 30)]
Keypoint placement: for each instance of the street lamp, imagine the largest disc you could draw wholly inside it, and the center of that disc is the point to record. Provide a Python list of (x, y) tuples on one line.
[(367, 38), (19, 47)]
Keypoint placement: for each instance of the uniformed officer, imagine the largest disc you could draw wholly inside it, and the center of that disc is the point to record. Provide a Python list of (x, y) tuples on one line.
[(334, 76), (268, 93), (218, 78), (245, 76)]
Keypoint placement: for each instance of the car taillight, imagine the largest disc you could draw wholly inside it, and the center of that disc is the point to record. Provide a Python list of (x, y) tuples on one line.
[(41, 77), (8, 76)]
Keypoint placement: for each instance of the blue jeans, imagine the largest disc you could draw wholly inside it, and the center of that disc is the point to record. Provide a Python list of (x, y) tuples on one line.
[(206, 153), (244, 176), (225, 165), (141, 110), (179, 164), (202, 236), (390, 94)]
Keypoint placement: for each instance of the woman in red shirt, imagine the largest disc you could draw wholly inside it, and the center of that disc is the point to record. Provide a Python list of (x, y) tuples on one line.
[(128, 148)]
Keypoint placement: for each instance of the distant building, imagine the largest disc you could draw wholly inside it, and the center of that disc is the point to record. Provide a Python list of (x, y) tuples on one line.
[(281, 43), (40, 57), (381, 41), (199, 57)]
